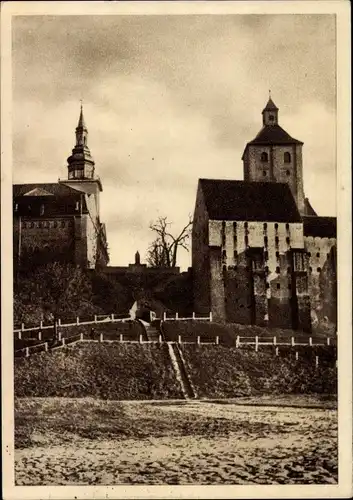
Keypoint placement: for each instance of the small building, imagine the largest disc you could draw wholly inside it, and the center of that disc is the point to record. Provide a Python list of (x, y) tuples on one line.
[(60, 221), (260, 253)]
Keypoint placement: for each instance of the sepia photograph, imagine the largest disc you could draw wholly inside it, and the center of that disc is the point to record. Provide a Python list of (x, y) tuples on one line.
[(176, 267)]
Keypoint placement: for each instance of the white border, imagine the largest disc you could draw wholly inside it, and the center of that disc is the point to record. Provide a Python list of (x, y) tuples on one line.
[(342, 11)]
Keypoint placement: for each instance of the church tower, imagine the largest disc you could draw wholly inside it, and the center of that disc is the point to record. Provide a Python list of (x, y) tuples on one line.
[(81, 166), (274, 156), (82, 177)]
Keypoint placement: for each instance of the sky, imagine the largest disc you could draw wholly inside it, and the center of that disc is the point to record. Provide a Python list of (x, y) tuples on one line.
[(168, 100)]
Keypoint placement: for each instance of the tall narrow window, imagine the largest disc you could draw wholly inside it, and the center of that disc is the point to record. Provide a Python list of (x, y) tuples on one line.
[(42, 210), (264, 157), (287, 157)]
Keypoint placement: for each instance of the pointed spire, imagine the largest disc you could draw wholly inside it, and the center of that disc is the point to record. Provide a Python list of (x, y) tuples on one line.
[(270, 112), (81, 163), (81, 120), (270, 106)]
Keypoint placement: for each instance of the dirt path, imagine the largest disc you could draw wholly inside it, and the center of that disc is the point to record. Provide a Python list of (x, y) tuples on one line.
[(299, 448)]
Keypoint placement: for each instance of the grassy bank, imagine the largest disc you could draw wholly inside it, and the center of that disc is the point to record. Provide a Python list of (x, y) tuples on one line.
[(223, 372), (110, 371)]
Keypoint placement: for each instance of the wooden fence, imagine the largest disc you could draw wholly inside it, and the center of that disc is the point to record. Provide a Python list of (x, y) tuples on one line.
[(138, 339), (193, 317), (103, 318)]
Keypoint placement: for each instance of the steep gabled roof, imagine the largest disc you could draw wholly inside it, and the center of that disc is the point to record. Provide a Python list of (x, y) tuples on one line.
[(249, 201), (320, 227), (273, 134), (308, 209), (53, 188), (270, 106)]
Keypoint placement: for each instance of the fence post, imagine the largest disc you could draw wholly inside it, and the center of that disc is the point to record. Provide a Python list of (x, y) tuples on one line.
[(274, 341), (164, 315), (77, 320), (63, 341), (198, 340), (81, 336), (121, 337), (179, 339), (310, 341), (237, 342), (27, 352), (210, 316), (296, 355), (59, 322), (256, 343), (193, 315), (277, 352), (176, 315), (22, 327), (19, 335), (316, 361), (59, 335), (217, 340), (95, 318), (101, 337), (140, 339), (112, 316), (41, 324), (160, 338), (292, 341), (46, 346), (40, 335), (328, 340)]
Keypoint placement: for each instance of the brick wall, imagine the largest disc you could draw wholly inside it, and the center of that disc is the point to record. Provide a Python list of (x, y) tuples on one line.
[(275, 169), (260, 288), (322, 278), (201, 234), (54, 235)]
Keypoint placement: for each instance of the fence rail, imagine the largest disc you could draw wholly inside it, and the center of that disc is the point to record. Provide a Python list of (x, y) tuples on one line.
[(193, 317), (138, 339), (105, 318)]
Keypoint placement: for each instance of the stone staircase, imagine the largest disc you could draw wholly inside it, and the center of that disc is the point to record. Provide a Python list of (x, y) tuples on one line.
[(152, 333), (181, 372)]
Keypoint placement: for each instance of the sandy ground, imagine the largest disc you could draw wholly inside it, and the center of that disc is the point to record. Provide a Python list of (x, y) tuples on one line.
[(252, 445)]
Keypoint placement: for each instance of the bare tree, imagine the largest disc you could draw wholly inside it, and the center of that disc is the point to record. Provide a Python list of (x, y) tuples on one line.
[(164, 249)]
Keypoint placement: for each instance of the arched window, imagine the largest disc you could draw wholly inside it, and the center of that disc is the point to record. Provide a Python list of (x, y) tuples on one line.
[(264, 157), (272, 118), (287, 158)]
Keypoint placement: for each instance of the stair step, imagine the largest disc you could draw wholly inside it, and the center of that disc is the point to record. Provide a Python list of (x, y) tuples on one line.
[(152, 333)]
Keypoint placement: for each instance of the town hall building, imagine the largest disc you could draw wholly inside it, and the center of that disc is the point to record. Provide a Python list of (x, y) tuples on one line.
[(60, 221), (260, 253)]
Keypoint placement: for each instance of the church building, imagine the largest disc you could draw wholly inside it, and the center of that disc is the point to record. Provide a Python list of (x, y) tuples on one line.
[(260, 253), (60, 221)]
